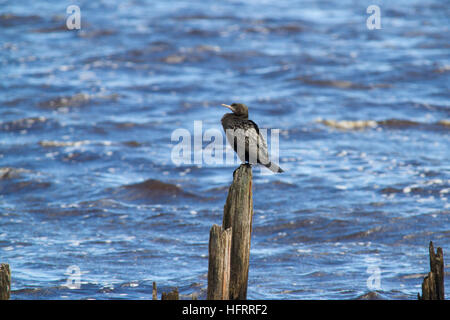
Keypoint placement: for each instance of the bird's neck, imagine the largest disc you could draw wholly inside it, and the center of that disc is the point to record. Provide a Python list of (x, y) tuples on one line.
[(229, 116), (242, 117)]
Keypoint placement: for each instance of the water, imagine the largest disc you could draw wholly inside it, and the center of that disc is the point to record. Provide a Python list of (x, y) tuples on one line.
[(87, 182)]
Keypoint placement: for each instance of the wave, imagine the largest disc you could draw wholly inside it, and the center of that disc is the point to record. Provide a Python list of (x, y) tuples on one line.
[(279, 29), (432, 187), (342, 84), (367, 124), (442, 69), (349, 124), (21, 124), (445, 123), (77, 100), (47, 144), (12, 173)]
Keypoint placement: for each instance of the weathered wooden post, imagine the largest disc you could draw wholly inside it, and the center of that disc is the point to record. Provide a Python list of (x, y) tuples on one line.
[(5, 281), (219, 263), (238, 215), (433, 284), (171, 295), (154, 292)]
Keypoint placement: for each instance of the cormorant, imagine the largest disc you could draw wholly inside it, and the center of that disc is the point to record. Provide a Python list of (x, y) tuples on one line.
[(244, 136)]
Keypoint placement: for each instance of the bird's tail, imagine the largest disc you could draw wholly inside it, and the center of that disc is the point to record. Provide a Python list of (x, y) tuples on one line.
[(274, 167)]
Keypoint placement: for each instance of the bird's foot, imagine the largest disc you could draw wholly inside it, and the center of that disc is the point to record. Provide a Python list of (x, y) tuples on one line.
[(249, 165)]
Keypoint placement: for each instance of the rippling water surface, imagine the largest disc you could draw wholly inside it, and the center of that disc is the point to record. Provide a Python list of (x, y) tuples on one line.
[(86, 117)]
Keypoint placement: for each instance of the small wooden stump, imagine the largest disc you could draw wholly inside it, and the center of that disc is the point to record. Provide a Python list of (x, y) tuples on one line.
[(219, 263), (433, 284), (154, 292), (172, 295), (5, 281), (238, 215)]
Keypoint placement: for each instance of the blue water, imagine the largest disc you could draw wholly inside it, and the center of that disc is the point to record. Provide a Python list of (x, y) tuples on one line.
[(86, 117)]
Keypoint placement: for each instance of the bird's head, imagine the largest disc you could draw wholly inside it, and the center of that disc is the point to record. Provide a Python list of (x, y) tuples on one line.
[(238, 109)]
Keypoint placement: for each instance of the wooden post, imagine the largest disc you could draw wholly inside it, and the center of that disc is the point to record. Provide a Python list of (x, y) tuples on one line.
[(5, 281), (433, 284), (219, 263), (172, 295), (154, 292), (238, 215)]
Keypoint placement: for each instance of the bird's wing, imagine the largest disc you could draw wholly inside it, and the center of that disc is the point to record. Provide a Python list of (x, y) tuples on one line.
[(263, 155), (249, 144)]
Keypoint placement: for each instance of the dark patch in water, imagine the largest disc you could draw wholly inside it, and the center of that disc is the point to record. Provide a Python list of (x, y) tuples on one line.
[(201, 33), (398, 123), (133, 144), (279, 29), (202, 17), (80, 157), (20, 187), (96, 33), (152, 189), (77, 100), (12, 20), (359, 235), (54, 28), (372, 295), (389, 190), (424, 190)]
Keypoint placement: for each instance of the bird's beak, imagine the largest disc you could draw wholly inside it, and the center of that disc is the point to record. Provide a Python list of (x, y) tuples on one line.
[(227, 106)]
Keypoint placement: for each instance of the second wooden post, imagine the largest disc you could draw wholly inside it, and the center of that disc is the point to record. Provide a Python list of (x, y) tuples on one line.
[(5, 281)]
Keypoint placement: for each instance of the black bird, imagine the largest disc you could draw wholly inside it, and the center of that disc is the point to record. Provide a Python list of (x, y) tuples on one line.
[(244, 136)]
